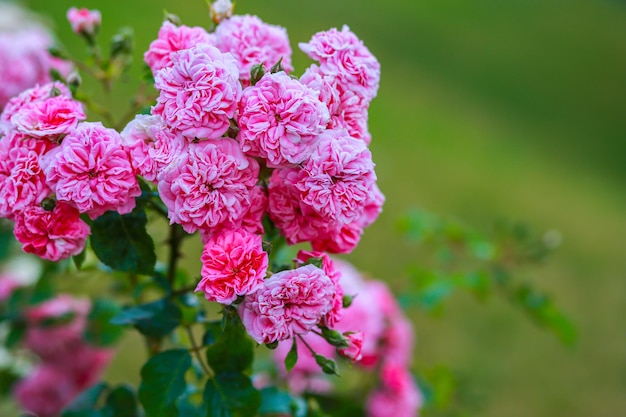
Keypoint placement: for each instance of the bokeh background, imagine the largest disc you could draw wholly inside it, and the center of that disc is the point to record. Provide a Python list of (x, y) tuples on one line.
[(487, 109)]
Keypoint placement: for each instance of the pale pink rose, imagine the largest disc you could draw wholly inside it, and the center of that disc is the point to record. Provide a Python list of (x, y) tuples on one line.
[(84, 21), (338, 179), (51, 235), (26, 97), (233, 264), (46, 391), (290, 302), (151, 145), (280, 120), (328, 266), (49, 118), (22, 180), (342, 53), (25, 61), (353, 351), (92, 171), (397, 396), (252, 42), (56, 326), (199, 92), (209, 186), (297, 221), (172, 39)]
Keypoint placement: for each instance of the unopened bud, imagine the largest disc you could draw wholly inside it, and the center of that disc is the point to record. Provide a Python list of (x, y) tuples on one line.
[(84, 21), (221, 10)]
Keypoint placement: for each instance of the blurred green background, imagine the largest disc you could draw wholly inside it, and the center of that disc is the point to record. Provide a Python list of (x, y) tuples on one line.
[(487, 109)]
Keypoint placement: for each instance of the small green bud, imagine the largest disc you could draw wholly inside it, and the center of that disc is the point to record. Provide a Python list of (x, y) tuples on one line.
[(272, 345), (347, 300), (256, 73), (334, 337), (48, 204), (277, 67), (328, 366)]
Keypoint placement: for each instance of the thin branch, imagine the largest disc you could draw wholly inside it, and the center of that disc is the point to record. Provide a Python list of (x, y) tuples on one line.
[(196, 351)]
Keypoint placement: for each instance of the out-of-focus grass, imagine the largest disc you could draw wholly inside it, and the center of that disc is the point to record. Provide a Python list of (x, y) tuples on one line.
[(486, 109)]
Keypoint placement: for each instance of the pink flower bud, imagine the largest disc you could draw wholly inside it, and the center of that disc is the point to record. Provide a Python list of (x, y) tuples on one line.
[(84, 21), (353, 351)]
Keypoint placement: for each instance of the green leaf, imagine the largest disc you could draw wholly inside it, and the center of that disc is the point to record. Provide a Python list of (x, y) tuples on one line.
[(84, 405), (121, 402), (122, 242), (163, 381), (6, 239), (155, 319), (16, 334), (275, 402), (231, 394), (292, 357), (79, 259), (7, 380), (233, 349), (100, 331)]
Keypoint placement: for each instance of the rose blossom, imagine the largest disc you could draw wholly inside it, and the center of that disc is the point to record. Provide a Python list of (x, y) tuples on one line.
[(151, 145), (38, 93), (398, 395), (199, 92), (22, 180), (209, 186), (84, 21), (290, 302), (46, 391), (49, 118), (92, 171), (279, 120), (344, 55), (355, 345), (233, 264), (252, 42), (338, 179), (51, 235), (171, 39), (296, 221)]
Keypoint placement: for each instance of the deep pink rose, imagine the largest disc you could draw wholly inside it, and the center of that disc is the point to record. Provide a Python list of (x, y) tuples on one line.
[(252, 42), (233, 264), (49, 118), (209, 186), (172, 39), (92, 171), (290, 302), (280, 120), (199, 92), (84, 20), (26, 97)]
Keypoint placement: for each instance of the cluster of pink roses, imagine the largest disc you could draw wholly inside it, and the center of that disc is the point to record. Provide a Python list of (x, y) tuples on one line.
[(384, 343), (24, 57), (54, 166), (67, 364)]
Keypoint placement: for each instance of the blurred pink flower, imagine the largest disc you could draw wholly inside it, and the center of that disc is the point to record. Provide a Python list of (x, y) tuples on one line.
[(290, 302), (252, 42), (92, 171), (233, 264), (199, 92), (209, 186), (51, 235), (279, 120), (84, 21), (397, 396), (171, 39), (46, 391)]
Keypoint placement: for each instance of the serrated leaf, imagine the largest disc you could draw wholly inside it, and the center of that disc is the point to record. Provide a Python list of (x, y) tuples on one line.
[(122, 242), (155, 319), (292, 357), (231, 394), (163, 381), (233, 349)]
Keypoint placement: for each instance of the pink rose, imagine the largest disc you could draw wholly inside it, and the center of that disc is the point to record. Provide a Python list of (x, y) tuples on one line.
[(46, 391), (49, 118), (233, 264), (26, 97), (252, 42), (84, 21), (280, 120), (339, 238), (172, 39), (353, 351), (51, 235), (22, 179), (92, 171), (199, 92), (398, 395), (290, 302), (151, 145), (209, 186)]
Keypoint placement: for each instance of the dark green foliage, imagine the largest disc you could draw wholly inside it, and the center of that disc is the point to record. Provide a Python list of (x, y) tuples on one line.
[(163, 381), (156, 319), (232, 349), (121, 402), (100, 331), (275, 402), (231, 394), (122, 243), (85, 404)]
